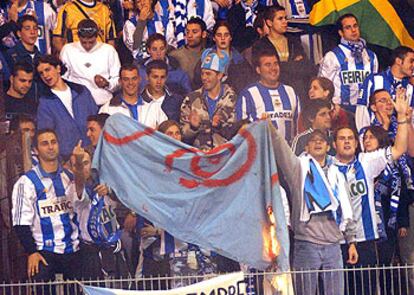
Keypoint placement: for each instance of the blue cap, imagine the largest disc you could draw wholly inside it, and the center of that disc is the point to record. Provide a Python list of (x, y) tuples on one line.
[(211, 60)]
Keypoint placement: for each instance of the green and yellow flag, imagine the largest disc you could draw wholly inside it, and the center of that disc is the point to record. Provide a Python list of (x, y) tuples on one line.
[(381, 21)]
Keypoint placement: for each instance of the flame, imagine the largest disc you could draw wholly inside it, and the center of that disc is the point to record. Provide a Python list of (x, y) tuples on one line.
[(271, 243)]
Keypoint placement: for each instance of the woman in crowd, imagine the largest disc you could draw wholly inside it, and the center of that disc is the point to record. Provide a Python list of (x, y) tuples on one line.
[(323, 89), (239, 72)]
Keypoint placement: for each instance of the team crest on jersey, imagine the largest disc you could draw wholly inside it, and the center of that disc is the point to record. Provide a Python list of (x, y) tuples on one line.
[(54, 207), (353, 77), (40, 32)]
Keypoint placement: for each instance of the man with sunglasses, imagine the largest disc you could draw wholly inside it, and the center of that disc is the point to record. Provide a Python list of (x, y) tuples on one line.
[(71, 13), (92, 63)]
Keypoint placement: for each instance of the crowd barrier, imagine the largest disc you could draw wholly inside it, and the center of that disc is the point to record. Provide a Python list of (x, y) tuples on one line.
[(384, 280)]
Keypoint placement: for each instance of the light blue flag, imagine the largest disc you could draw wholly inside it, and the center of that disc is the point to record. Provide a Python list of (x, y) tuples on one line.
[(219, 200)]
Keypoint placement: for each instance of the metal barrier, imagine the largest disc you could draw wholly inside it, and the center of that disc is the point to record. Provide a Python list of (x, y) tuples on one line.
[(385, 280)]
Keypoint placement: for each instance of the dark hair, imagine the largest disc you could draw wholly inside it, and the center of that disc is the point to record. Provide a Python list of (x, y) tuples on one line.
[(338, 23), (271, 11), (24, 18), (198, 21), (167, 124), (155, 37), (326, 84), (99, 118), (87, 28), (320, 133), (372, 97), (380, 134), (313, 108), (21, 118), (339, 128), (22, 66), (128, 67), (156, 64), (261, 52), (43, 131), (400, 52), (222, 23), (259, 22), (48, 59)]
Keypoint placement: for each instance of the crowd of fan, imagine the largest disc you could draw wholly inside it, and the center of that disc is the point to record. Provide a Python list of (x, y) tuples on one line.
[(199, 71)]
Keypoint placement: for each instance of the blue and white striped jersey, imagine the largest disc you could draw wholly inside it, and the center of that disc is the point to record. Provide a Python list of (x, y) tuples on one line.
[(280, 105), (360, 175), (46, 18), (384, 80), (48, 204), (348, 76)]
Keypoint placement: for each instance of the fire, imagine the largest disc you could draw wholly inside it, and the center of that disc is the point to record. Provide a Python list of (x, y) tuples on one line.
[(271, 243)]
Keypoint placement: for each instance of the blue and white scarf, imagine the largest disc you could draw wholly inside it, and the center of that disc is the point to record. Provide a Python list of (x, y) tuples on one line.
[(356, 47), (181, 18), (250, 12)]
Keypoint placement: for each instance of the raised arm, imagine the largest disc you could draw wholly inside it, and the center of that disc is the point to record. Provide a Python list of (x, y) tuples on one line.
[(401, 139)]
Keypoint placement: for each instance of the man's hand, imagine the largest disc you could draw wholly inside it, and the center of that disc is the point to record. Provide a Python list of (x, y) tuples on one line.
[(78, 154), (401, 102), (13, 13), (402, 232), (101, 82), (216, 121), (149, 231), (101, 190), (223, 3), (33, 263), (130, 223), (352, 254), (195, 119)]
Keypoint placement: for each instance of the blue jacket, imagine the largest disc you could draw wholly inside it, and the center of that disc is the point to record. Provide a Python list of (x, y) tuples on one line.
[(51, 113), (177, 81)]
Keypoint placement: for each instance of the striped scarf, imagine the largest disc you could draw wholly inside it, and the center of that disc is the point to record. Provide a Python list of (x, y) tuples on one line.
[(180, 14), (250, 12)]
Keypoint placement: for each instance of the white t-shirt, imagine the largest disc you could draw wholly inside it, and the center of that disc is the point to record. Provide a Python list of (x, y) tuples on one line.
[(65, 97)]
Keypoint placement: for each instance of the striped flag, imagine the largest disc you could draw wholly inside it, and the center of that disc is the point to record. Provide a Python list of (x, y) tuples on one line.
[(382, 22)]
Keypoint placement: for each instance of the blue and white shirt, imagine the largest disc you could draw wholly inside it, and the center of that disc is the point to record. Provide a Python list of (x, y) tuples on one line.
[(384, 80), (360, 175), (46, 18), (48, 204), (281, 105), (340, 67)]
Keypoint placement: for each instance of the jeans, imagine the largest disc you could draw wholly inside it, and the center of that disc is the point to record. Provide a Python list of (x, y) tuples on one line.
[(310, 256)]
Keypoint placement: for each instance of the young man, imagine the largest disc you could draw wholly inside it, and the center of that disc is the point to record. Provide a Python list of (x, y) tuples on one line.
[(208, 114), (92, 63), (318, 115), (189, 55), (348, 64), (318, 196), (129, 101), (73, 12), (360, 171), (25, 49), (268, 98), (64, 107), (177, 80), (398, 75), (17, 101), (157, 93), (46, 18), (45, 201), (95, 124)]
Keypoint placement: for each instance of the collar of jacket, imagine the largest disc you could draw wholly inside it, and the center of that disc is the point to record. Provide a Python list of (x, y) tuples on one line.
[(73, 87)]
